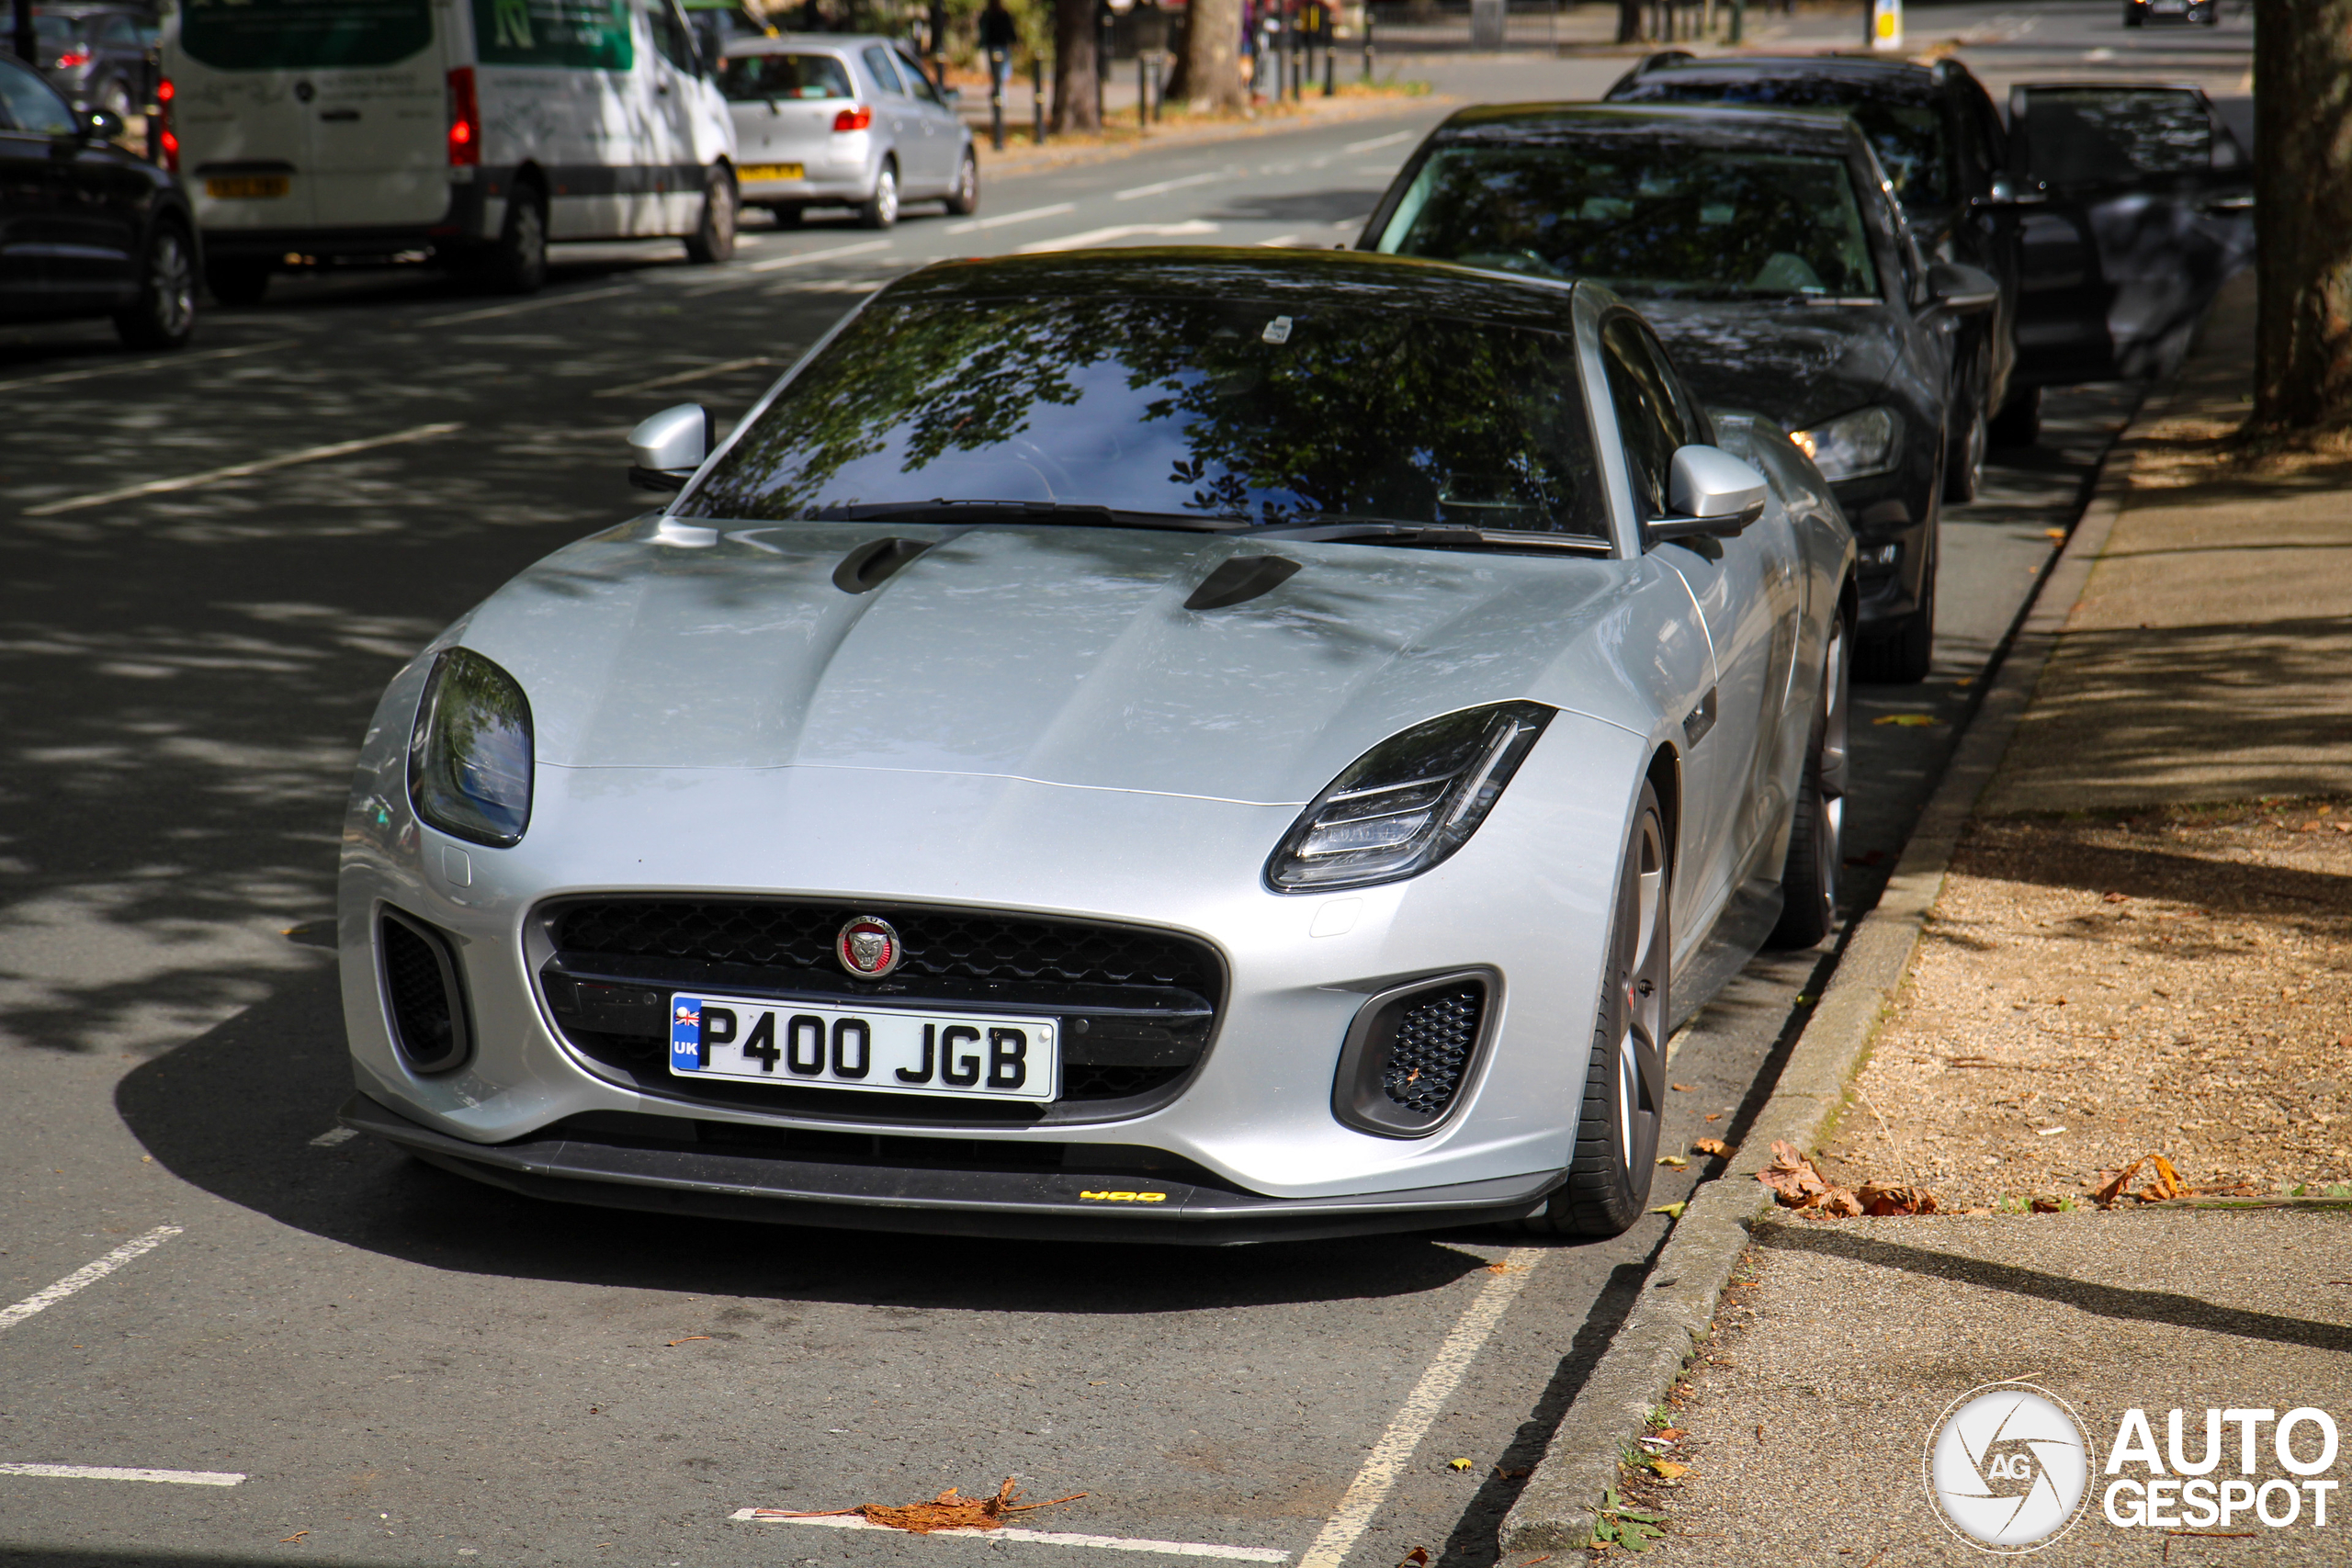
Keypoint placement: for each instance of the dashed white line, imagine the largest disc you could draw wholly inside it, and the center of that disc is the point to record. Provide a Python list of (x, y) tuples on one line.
[(1278, 240), (493, 311), (1134, 191), (333, 1136), (803, 258), (89, 1274), (1390, 140), (700, 372), (56, 377), (240, 470), (1419, 1411), (1041, 1538), (1027, 215), (118, 1473), (1120, 231)]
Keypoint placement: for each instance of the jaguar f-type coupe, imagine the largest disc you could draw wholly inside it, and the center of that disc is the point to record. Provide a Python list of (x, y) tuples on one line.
[(1165, 745)]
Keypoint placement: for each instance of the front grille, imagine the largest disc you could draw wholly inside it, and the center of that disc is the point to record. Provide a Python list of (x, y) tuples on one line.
[(1139, 1007), (1435, 1033), (421, 993)]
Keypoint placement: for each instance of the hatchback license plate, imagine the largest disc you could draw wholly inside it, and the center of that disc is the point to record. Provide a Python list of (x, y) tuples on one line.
[(243, 187), (774, 171), (970, 1055)]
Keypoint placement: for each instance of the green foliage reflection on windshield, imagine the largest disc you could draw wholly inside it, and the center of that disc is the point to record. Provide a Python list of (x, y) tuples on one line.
[(1255, 413)]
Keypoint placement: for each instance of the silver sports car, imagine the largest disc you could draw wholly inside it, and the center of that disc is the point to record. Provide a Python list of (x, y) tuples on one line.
[(1186, 745)]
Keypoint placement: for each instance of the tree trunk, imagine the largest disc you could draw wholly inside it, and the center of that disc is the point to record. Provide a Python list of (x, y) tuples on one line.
[(2303, 183), (1074, 66), (1629, 20), (1211, 68)]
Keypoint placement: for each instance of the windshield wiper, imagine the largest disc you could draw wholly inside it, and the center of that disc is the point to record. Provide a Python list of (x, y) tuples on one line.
[(976, 511), (1432, 535)]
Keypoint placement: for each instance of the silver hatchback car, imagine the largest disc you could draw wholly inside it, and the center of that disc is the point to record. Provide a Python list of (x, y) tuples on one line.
[(843, 120)]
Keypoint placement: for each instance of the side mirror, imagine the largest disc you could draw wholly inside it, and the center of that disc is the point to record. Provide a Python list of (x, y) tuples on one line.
[(955, 95), (103, 125), (1714, 496), (2009, 191), (665, 450), (1962, 289)]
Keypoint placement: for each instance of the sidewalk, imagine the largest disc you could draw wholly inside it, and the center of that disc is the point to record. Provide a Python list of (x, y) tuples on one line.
[(2143, 946)]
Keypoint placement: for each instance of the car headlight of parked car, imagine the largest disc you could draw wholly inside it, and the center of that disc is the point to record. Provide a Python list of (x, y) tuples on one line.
[(1409, 802), (470, 756), (1852, 445)]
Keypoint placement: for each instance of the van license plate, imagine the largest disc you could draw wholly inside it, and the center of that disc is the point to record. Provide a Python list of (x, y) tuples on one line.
[(245, 188), (971, 1055), (774, 171)]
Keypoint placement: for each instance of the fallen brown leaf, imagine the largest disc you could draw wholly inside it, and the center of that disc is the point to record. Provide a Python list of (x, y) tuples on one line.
[(1417, 1558), (2116, 897), (1457, 1464), (687, 1340), (295, 1537), (2106, 1196), (1794, 1182), (1666, 1469), (1839, 1204), (1715, 1146), (1672, 1434), (1676, 1161), (2167, 1183), (1512, 1475), (1685, 1088), (1715, 1115), (945, 1512), (2044, 1205), (1879, 1199)]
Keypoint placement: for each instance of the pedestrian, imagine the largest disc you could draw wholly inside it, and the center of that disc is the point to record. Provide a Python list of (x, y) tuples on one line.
[(998, 35)]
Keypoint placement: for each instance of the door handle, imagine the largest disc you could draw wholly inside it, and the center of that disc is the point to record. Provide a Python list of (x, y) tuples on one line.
[(338, 114)]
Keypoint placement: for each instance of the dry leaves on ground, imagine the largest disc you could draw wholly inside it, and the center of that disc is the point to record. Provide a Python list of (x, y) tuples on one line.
[(1715, 1146), (1795, 1184), (947, 1511)]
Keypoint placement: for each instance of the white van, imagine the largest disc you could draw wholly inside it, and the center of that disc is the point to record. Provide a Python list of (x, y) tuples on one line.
[(475, 130)]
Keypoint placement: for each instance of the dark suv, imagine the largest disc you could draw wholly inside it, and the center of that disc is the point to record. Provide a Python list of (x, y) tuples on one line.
[(96, 55)]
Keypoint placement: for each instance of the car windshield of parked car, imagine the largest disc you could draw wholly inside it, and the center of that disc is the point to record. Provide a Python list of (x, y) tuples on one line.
[(750, 78), (1657, 220), (1187, 410), (1906, 132)]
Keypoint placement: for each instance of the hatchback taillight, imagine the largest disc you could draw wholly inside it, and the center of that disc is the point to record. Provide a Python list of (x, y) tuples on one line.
[(167, 145), (465, 120), (73, 60), (857, 119)]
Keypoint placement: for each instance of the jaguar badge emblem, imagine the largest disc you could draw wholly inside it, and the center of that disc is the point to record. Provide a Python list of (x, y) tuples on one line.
[(869, 947)]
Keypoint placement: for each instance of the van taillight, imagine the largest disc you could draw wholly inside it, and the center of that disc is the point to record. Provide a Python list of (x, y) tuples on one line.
[(74, 59), (857, 119), (465, 119), (167, 145)]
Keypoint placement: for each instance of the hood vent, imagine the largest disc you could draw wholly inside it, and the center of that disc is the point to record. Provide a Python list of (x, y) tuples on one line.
[(1239, 580), (870, 565)]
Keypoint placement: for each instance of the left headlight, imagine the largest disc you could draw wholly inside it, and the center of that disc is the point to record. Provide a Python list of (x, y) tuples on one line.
[(1407, 803), (1852, 445), (470, 756)]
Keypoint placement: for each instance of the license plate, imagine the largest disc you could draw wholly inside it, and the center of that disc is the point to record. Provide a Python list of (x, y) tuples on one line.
[(774, 171), (243, 187), (971, 1055)]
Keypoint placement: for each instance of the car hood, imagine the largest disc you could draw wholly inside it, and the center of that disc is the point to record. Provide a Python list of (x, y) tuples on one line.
[(1053, 653), (1796, 364)]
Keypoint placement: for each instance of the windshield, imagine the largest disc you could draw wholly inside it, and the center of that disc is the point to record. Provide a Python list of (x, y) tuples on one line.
[(286, 35), (753, 77), (1664, 221), (1249, 413), (1908, 137)]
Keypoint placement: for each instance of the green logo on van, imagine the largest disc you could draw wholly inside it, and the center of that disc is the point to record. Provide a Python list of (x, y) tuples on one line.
[(578, 35)]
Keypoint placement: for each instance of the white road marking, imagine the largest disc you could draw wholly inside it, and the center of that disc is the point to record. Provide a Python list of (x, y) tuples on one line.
[(1130, 193), (239, 470), (802, 258), (1042, 1537), (1419, 1411), (698, 373), (56, 377), (116, 1472), (493, 311), (1390, 140), (1119, 231), (333, 1136), (89, 1274), (1002, 218), (1277, 241)]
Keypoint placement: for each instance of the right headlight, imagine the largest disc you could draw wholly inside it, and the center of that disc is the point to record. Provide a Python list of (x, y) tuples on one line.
[(1852, 445), (1409, 802), (470, 756)]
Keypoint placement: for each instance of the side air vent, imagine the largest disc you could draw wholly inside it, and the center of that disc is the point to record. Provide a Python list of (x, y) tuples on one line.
[(1410, 1053), (423, 995)]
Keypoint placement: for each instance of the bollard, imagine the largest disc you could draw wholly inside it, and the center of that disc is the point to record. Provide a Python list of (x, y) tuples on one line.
[(1143, 94), (1102, 65), (1330, 80), (1738, 22), (996, 99), (1037, 96), (1367, 44)]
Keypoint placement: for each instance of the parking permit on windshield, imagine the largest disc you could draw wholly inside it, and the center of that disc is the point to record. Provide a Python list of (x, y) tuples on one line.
[(1277, 329)]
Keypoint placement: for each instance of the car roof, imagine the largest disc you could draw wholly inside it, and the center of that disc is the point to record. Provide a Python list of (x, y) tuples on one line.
[(808, 43), (1719, 125), (1356, 278)]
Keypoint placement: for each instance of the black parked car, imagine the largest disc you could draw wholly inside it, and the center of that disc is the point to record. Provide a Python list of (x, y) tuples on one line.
[(2137, 12), (86, 229), (1766, 250), (96, 55), (2109, 213)]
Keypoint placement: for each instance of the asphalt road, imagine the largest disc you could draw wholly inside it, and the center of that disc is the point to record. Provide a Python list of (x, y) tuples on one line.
[(407, 1368)]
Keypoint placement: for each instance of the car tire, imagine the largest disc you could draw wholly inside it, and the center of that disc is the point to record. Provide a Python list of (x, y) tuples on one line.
[(964, 195), (713, 240), (881, 209), (517, 262), (1817, 830), (164, 315), (237, 282), (1619, 1116), (1903, 653), (1965, 464), (2020, 421)]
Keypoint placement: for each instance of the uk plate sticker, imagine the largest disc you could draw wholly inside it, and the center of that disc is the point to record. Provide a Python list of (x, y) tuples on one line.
[(686, 1034)]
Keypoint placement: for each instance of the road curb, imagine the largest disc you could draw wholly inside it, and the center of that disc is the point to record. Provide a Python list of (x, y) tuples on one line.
[(1676, 1306)]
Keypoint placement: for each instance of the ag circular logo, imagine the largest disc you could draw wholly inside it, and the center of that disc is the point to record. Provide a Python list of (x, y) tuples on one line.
[(2008, 1467), (869, 947)]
